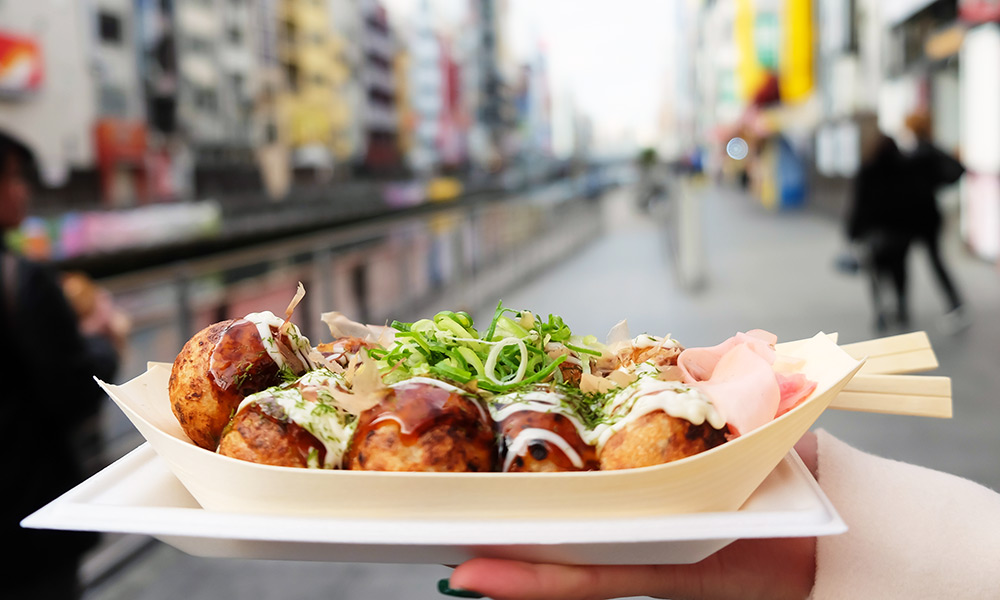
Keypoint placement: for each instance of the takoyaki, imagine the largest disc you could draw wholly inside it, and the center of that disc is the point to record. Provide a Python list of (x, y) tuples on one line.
[(424, 424), (653, 422), (539, 431), (227, 361), (301, 424)]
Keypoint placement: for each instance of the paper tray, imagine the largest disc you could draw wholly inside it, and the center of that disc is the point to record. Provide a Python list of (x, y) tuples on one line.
[(139, 494), (717, 480)]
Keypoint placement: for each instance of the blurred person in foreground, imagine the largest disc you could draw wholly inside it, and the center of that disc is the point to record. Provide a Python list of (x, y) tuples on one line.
[(927, 169), (877, 225), (51, 354), (912, 533)]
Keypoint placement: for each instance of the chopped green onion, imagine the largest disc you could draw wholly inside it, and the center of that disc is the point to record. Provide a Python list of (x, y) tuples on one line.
[(510, 354), (583, 350), (419, 339), (451, 372), (472, 359)]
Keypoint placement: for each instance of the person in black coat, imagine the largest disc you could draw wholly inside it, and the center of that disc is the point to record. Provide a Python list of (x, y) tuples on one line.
[(875, 224), (49, 366), (927, 169)]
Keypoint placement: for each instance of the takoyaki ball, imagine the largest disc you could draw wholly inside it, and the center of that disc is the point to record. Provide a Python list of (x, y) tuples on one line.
[(299, 424), (255, 436), (225, 362), (656, 438), (543, 442), (422, 425)]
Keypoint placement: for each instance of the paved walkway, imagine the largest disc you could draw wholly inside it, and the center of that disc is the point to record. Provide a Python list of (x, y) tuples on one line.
[(755, 269)]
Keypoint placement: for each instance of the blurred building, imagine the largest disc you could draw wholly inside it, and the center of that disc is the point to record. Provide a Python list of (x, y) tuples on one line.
[(427, 87), (676, 130), (268, 90), (314, 110), (453, 141), (715, 55), (495, 117), (160, 80), (216, 57), (347, 24), (125, 169), (466, 44), (405, 114), (128, 102), (48, 97), (533, 104), (93, 109), (379, 116)]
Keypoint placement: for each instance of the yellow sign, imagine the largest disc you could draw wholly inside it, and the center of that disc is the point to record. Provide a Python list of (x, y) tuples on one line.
[(795, 60), (750, 73)]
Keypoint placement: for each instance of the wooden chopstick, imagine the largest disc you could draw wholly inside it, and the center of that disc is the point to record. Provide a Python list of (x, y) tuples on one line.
[(917, 385), (894, 404), (913, 395), (905, 353)]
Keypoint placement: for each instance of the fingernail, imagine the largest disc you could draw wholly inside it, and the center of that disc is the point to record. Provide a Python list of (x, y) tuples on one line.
[(444, 586)]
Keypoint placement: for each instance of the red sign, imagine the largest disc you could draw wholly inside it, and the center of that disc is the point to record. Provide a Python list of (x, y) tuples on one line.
[(979, 11), (119, 140), (21, 67)]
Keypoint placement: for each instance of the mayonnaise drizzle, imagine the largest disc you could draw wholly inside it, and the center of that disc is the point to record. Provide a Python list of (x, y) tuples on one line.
[(430, 381), (309, 403), (538, 401), (649, 395), (535, 400)]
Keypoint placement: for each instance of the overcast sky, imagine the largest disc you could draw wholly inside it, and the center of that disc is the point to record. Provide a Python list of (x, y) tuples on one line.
[(609, 57)]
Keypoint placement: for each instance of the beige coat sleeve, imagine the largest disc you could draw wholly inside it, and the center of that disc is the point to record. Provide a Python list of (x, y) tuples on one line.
[(912, 532)]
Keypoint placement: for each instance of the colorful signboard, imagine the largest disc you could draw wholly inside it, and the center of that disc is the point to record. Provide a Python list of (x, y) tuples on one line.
[(22, 70)]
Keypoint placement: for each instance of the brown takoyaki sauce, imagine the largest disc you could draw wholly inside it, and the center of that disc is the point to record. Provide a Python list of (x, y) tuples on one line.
[(240, 364), (416, 408)]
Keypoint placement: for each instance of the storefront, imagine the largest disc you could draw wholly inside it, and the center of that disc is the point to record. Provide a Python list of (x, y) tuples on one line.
[(980, 139), (776, 79)]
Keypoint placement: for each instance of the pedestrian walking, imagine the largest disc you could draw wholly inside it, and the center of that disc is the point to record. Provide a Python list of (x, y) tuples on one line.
[(876, 226), (926, 170)]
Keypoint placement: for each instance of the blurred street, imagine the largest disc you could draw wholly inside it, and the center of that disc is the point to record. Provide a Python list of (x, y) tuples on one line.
[(758, 268)]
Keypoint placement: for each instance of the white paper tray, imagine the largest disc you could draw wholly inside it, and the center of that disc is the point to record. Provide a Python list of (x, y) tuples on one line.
[(138, 494)]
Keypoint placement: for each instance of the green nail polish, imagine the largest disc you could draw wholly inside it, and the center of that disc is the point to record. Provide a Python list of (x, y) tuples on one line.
[(444, 586)]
